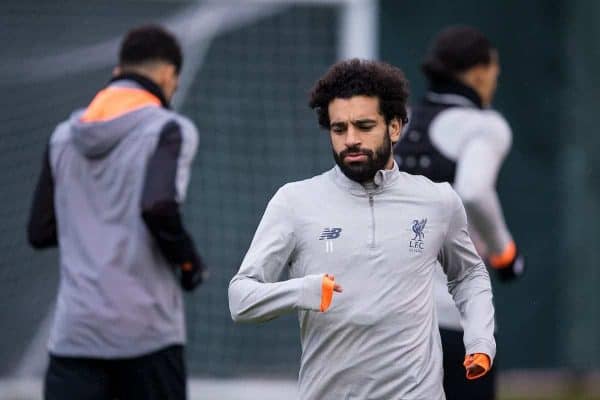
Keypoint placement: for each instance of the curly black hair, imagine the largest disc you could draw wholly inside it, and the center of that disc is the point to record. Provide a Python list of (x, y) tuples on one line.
[(357, 77), (150, 43)]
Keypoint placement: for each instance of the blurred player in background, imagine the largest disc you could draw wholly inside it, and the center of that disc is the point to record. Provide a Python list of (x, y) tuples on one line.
[(454, 137), (113, 178), (380, 233)]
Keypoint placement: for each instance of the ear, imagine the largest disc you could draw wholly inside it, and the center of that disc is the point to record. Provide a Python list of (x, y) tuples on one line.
[(170, 71), (477, 74), (395, 129), (116, 71), (161, 74)]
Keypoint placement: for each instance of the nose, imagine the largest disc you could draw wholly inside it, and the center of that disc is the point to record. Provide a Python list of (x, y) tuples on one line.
[(352, 137)]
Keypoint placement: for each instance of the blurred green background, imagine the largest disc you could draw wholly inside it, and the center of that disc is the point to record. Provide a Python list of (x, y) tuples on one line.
[(248, 96), (550, 185)]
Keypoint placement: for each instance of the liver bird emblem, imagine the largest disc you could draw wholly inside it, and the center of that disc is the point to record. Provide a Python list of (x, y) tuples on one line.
[(417, 228)]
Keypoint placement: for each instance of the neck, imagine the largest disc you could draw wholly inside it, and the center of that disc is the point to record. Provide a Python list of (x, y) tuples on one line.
[(459, 88), (146, 83), (390, 163)]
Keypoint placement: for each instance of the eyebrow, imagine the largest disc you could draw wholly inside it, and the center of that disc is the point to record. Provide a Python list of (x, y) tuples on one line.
[(362, 121)]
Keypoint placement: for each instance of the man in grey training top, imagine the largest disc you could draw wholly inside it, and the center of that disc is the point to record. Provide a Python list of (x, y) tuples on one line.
[(378, 234)]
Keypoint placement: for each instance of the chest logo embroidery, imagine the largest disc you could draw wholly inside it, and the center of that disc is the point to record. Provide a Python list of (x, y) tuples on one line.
[(328, 235), (417, 243)]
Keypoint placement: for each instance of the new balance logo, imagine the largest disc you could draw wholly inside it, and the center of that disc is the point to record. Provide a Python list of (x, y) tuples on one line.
[(328, 235)]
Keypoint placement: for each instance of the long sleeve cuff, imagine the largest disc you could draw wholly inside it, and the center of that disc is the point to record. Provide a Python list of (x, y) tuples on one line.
[(312, 293), (482, 346)]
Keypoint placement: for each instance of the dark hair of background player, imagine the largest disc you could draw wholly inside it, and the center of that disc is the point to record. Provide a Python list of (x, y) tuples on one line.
[(455, 50), (150, 43)]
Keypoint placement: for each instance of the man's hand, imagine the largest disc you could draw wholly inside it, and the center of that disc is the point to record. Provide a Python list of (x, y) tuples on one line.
[(510, 264), (327, 288), (192, 274), (477, 365)]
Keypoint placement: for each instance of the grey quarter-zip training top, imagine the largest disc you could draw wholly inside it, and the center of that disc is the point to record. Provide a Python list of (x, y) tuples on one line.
[(382, 242)]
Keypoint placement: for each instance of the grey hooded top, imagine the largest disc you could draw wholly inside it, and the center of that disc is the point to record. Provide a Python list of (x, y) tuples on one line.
[(118, 294)]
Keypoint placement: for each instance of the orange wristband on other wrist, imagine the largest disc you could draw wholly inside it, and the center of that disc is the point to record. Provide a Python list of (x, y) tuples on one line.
[(477, 365), (326, 292), (504, 259)]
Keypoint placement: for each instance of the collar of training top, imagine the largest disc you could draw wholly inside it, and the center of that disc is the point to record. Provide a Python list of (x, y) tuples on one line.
[(454, 92), (145, 83), (383, 178)]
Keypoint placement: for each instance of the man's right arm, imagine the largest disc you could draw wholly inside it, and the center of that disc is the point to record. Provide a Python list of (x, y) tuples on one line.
[(477, 170), (161, 197), (255, 295)]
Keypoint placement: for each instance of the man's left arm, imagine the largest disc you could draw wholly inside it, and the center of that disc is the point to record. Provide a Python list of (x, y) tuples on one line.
[(475, 182), (469, 285)]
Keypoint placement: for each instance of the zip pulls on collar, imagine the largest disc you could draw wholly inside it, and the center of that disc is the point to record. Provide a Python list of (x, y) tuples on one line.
[(372, 224)]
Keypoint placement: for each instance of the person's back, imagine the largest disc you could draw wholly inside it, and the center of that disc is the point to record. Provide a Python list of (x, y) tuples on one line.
[(114, 176), (453, 137), (118, 295)]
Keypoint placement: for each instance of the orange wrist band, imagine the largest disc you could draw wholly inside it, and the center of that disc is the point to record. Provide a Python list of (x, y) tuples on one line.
[(503, 260), (326, 293), (478, 359)]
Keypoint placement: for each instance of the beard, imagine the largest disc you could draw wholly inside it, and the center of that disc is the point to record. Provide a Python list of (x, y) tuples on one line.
[(364, 171)]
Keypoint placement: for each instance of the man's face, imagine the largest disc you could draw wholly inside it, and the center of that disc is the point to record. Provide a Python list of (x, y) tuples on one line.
[(360, 138), (489, 79), (170, 81)]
